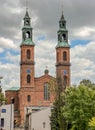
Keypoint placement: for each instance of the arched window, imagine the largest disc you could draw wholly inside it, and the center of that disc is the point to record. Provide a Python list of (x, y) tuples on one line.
[(64, 55), (57, 56), (46, 91), (27, 34), (65, 81), (28, 54), (28, 98), (63, 25), (64, 37), (28, 78)]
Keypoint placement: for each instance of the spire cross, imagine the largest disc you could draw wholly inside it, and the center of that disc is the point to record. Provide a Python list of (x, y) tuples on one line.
[(26, 5), (62, 6), (46, 67)]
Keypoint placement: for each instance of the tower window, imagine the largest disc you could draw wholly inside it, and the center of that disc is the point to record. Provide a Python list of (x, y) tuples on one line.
[(28, 54), (27, 22), (63, 37), (58, 37), (57, 56), (65, 81), (46, 91), (27, 34), (28, 98), (28, 78), (63, 24), (64, 55)]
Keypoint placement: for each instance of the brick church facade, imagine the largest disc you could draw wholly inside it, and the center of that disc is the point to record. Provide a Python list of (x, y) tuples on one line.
[(33, 91)]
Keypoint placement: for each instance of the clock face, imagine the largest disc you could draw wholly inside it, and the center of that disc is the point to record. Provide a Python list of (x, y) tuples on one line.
[(65, 72), (28, 71)]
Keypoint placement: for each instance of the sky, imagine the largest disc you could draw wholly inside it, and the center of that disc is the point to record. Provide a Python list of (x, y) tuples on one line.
[(45, 15)]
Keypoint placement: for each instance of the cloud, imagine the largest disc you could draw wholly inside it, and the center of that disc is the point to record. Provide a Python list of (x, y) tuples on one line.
[(83, 62), (45, 16), (15, 59), (1, 50), (85, 33), (45, 56), (10, 74), (7, 43)]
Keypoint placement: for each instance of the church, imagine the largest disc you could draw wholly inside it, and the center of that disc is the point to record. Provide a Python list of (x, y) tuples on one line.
[(34, 91)]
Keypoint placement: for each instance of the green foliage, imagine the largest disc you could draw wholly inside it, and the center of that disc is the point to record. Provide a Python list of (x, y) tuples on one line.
[(2, 98), (57, 118), (73, 106), (79, 106), (91, 123), (87, 83)]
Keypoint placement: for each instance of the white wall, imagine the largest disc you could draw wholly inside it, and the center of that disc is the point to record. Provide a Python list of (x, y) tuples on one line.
[(40, 118), (7, 112)]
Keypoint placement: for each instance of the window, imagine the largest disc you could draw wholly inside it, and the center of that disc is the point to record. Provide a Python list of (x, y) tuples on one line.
[(28, 54), (57, 56), (44, 124), (63, 37), (46, 91), (64, 55), (59, 37), (28, 98), (65, 81), (27, 34), (28, 78), (63, 24), (2, 122)]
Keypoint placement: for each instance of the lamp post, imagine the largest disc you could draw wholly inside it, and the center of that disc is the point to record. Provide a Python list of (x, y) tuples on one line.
[(0, 101)]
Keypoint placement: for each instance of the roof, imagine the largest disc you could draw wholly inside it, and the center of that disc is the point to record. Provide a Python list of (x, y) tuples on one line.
[(28, 42), (14, 89), (62, 17), (62, 44), (27, 14)]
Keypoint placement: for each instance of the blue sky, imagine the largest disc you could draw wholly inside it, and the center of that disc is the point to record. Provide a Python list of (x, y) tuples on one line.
[(77, 42), (45, 17)]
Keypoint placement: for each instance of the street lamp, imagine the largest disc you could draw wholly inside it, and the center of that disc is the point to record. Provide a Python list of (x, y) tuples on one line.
[(11, 112), (0, 101)]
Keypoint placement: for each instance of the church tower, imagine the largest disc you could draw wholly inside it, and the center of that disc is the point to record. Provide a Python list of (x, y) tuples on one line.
[(27, 54), (27, 67), (63, 53)]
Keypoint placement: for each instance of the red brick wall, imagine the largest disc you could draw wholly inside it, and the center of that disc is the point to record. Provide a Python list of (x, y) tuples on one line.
[(12, 94), (63, 65), (29, 66), (37, 95)]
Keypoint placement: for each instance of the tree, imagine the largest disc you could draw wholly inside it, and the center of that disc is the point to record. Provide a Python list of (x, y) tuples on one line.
[(2, 98), (87, 83), (79, 106), (57, 118), (92, 123)]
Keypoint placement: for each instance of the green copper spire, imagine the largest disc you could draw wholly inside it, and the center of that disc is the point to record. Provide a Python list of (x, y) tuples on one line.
[(62, 33), (27, 31), (27, 14)]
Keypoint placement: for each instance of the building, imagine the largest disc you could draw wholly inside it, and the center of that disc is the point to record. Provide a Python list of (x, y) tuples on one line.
[(40, 122), (33, 91), (7, 117)]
